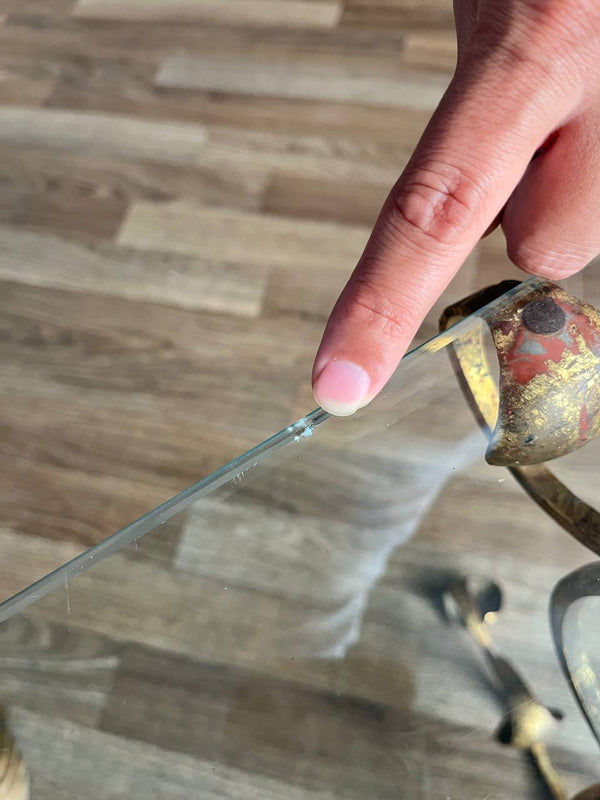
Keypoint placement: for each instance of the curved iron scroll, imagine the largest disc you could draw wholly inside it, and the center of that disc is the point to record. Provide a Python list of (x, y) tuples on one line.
[(546, 404), (565, 610)]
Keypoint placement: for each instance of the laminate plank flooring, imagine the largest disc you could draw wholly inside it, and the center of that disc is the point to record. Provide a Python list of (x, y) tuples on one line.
[(433, 14), (101, 134), (185, 186), (352, 202), (197, 146), (268, 724), (73, 504), (95, 187), (37, 7), (76, 758), (26, 558), (64, 42), (56, 671), (276, 13), (259, 239), (15, 88), (161, 277), (339, 158), (62, 345), (433, 50), (75, 753), (239, 113), (418, 90)]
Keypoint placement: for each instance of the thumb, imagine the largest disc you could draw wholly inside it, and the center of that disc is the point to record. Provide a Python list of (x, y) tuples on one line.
[(470, 158)]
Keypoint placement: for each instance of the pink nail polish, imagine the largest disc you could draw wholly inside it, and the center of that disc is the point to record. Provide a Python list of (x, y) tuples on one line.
[(341, 387)]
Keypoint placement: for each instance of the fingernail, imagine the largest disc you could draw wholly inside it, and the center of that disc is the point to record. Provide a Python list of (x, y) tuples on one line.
[(341, 388)]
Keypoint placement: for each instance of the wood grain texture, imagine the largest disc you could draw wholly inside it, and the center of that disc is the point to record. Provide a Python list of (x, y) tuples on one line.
[(66, 347), (66, 765), (222, 149), (162, 277), (16, 88), (168, 257), (338, 158), (289, 293), (291, 13), (143, 41), (233, 236), (37, 7), (308, 558), (205, 619), (431, 50), (27, 558), (72, 505), (354, 203), (180, 774), (55, 671), (235, 718), (180, 452), (433, 14), (417, 90), (270, 726), (241, 113), (153, 349), (100, 134), (76, 192)]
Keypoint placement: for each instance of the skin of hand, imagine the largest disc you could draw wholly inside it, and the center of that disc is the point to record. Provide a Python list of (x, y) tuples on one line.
[(515, 141)]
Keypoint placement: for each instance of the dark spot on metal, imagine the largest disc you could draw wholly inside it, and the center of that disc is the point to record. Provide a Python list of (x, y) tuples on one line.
[(529, 440), (543, 316)]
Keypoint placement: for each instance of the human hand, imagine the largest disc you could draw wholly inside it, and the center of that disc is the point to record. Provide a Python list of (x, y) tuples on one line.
[(527, 83)]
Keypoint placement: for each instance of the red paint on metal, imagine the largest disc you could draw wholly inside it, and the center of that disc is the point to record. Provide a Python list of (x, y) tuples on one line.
[(524, 365)]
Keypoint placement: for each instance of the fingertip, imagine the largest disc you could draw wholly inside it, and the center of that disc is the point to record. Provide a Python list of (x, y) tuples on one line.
[(341, 387)]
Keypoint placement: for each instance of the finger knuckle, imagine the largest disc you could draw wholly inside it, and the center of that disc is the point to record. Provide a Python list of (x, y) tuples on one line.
[(439, 203)]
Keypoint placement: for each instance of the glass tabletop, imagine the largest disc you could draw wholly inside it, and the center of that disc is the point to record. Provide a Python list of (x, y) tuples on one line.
[(298, 623)]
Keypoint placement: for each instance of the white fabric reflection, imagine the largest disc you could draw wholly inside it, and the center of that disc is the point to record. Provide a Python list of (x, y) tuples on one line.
[(308, 543)]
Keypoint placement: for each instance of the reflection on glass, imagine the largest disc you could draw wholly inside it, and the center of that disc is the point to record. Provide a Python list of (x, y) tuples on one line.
[(278, 630)]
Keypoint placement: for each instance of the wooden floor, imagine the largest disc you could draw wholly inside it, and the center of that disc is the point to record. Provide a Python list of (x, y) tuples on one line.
[(185, 186)]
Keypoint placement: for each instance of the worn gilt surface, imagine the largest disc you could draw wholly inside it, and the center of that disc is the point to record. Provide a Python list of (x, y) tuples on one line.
[(549, 350)]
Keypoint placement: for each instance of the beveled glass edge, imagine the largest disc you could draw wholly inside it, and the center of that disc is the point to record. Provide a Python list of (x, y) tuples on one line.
[(167, 510)]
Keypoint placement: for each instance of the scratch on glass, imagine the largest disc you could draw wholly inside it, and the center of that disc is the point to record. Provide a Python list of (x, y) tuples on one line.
[(68, 596)]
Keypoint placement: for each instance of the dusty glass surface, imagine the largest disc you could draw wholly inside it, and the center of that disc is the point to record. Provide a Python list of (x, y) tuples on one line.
[(589, 640), (282, 629)]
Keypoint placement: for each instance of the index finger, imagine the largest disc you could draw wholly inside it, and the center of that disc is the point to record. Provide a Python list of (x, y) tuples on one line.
[(470, 158)]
